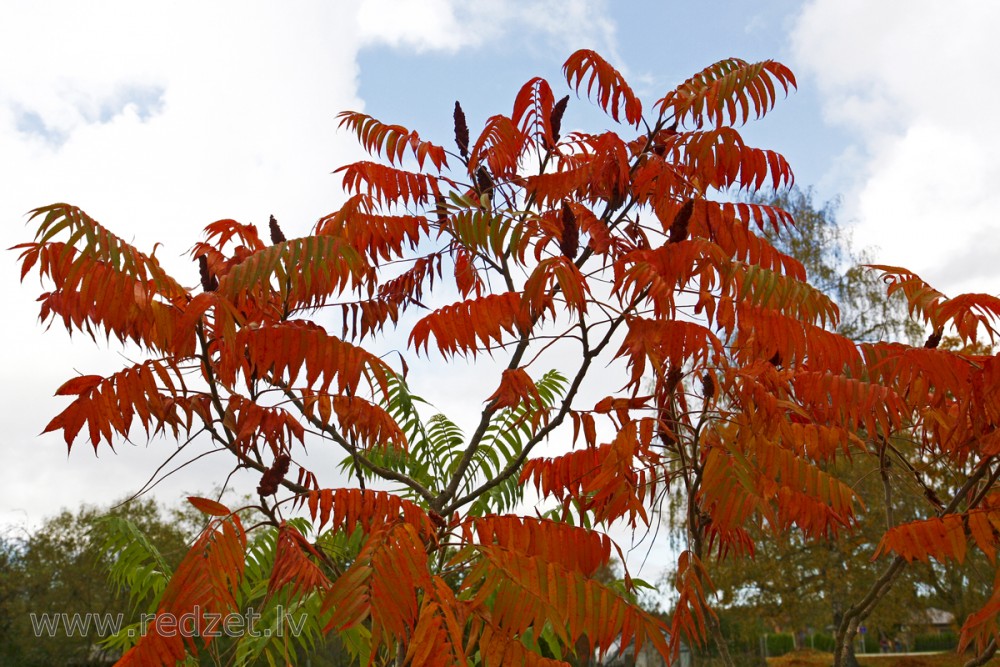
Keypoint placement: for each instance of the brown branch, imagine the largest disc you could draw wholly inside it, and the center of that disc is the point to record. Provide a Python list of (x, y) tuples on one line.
[(985, 656), (229, 441), (381, 471), (515, 464), (858, 612), (484, 422), (883, 468), (929, 493), (474, 442)]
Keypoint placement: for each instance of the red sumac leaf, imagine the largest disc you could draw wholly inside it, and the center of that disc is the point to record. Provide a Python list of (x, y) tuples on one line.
[(79, 385), (210, 507)]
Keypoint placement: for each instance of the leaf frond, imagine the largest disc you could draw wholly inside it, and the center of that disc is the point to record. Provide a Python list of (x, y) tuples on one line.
[(391, 140), (727, 93), (613, 94)]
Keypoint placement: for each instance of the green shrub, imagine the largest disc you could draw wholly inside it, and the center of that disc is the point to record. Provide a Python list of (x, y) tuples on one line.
[(946, 641), (822, 642), (780, 644)]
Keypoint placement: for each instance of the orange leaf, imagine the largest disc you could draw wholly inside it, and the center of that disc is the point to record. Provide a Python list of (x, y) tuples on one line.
[(208, 506), (516, 387), (79, 385), (613, 94)]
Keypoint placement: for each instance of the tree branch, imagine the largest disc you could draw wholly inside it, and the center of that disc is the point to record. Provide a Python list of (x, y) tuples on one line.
[(334, 435), (861, 610), (515, 464), (985, 656)]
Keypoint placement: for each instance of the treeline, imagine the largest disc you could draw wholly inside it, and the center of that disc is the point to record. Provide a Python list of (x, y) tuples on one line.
[(57, 604)]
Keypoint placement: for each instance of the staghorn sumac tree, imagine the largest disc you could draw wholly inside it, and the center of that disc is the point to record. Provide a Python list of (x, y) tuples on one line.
[(618, 258)]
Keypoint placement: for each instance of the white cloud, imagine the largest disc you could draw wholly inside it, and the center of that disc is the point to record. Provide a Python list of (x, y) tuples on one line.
[(159, 120), (449, 25), (427, 25), (156, 120), (755, 24), (913, 86)]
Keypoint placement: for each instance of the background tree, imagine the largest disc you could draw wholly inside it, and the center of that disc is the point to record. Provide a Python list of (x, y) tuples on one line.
[(838, 269), (11, 598), (798, 586), (791, 582), (912, 489), (60, 569), (607, 251)]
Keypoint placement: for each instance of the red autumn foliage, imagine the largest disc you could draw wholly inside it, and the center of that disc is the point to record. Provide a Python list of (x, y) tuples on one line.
[(622, 248)]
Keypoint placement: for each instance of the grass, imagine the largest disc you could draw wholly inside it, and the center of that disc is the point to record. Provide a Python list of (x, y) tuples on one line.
[(812, 658)]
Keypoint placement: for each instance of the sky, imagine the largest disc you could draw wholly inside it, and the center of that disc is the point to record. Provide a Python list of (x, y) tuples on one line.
[(160, 118)]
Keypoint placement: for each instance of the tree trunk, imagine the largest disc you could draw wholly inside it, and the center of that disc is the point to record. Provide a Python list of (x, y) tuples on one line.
[(837, 594), (711, 620), (720, 641), (843, 648)]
